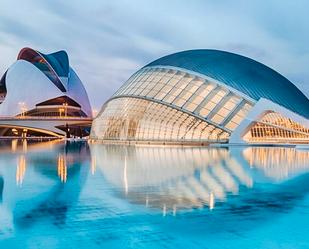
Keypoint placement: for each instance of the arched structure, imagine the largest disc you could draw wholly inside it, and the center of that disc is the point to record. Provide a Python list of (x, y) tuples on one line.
[(204, 96), (42, 85)]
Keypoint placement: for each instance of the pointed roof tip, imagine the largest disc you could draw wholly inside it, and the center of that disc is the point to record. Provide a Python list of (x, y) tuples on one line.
[(58, 60), (61, 52), (23, 50), (59, 55), (57, 63)]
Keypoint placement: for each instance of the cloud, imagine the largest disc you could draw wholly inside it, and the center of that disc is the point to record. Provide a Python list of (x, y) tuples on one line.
[(108, 41)]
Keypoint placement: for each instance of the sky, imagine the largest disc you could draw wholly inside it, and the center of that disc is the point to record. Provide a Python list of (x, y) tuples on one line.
[(107, 41)]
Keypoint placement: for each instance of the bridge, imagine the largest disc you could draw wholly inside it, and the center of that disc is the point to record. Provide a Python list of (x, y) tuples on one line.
[(49, 126)]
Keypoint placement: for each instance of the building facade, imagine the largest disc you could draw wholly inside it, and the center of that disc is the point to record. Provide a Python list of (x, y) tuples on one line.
[(40, 94), (205, 96)]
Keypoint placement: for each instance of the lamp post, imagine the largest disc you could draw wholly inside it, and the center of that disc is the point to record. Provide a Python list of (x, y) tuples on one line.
[(23, 108)]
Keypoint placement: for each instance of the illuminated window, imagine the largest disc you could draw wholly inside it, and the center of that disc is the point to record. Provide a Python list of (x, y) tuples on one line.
[(211, 102), (138, 119), (275, 127)]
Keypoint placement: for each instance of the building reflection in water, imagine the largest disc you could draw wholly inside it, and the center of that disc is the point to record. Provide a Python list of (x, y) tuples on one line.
[(14, 145), (93, 164), (20, 147), (166, 178), (64, 158), (21, 160), (1, 188), (277, 163), (171, 177), (21, 169), (25, 145), (62, 168), (174, 178), (42, 168)]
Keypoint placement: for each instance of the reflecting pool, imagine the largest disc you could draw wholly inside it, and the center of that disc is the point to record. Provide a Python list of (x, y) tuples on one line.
[(59, 194)]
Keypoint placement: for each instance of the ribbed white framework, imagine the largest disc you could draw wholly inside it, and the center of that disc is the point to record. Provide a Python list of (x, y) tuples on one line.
[(172, 104)]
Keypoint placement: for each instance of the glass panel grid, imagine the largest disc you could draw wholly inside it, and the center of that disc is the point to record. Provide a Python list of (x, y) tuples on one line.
[(189, 92), (275, 127), (138, 119)]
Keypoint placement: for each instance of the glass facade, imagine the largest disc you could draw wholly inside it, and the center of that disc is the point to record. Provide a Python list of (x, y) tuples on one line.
[(248, 76), (273, 127), (162, 104), (133, 119), (167, 104), (191, 93)]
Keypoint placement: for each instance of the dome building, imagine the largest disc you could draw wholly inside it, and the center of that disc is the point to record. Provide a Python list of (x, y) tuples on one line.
[(205, 96), (41, 94)]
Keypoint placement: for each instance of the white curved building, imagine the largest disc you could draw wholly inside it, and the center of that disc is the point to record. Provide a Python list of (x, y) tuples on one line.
[(205, 96), (40, 87)]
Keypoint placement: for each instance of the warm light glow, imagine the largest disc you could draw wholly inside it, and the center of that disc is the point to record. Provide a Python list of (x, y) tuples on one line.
[(179, 178), (277, 163), (65, 109), (171, 105), (62, 168), (211, 201), (136, 119), (61, 110), (21, 169), (94, 113), (273, 127), (93, 164), (14, 145), (14, 131), (25, 145)]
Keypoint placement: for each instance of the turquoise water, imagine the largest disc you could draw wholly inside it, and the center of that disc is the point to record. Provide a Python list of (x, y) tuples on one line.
[(75, 195)]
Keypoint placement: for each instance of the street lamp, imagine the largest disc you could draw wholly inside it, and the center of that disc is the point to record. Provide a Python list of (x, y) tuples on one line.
[(23, 108)]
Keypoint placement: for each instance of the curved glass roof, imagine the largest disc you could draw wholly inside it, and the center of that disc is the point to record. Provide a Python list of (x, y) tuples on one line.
[(241, 73)]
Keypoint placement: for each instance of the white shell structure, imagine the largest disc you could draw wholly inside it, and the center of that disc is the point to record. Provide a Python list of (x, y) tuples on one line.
[(42, 86), (28, 84)]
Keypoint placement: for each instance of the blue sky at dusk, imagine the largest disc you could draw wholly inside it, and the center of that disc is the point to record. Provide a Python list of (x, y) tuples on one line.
[(107, 41)]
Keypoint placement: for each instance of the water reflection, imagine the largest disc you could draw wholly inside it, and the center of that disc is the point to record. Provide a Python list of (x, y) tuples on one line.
[(53, 189), (277, 163), (1, 188), (62, 168), (67, 167), (21, 169), (48, 179), (174, 178)]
